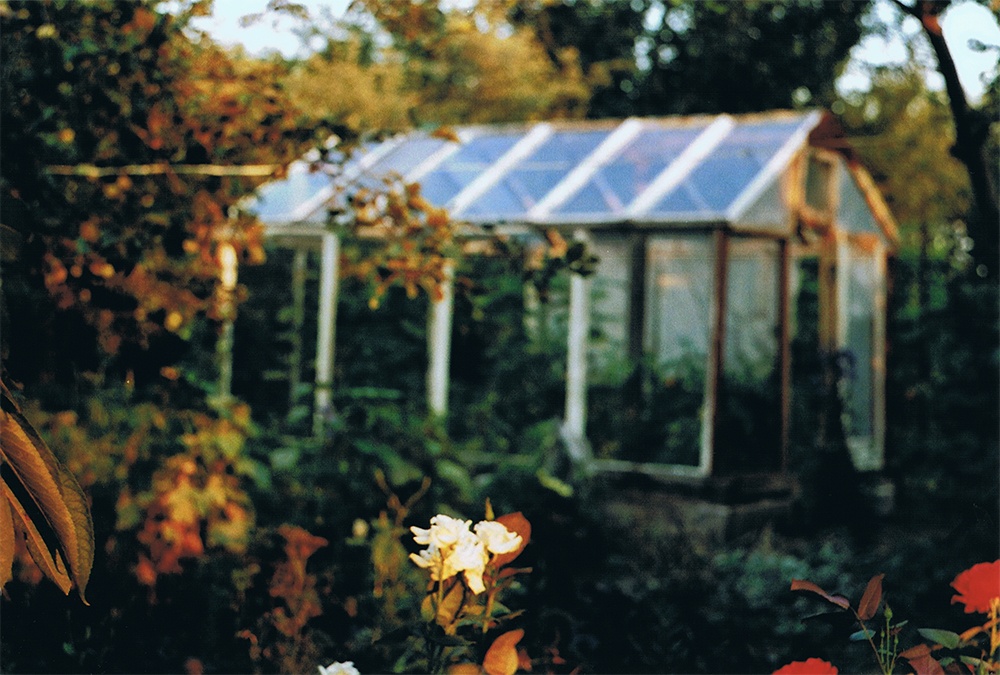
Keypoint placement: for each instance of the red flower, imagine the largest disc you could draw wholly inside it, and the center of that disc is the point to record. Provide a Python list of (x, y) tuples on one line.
[(977, 587), (808, 667)]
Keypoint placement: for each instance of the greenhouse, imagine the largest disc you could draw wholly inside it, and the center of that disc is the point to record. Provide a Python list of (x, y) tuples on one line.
[(706, 229)]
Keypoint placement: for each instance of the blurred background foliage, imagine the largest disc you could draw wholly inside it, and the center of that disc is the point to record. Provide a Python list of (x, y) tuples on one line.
[(111, 314)]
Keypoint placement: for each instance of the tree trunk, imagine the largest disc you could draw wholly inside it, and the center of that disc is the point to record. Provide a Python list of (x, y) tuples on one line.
[(971, 134)]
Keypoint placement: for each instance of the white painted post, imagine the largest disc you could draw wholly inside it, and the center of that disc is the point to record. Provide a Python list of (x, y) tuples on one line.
[(229, 269), (575, 424), (878, 353), (439, 344), (299, 265), (326, 334)]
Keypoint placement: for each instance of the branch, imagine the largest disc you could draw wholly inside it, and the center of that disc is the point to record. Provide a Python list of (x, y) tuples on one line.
[(907, 9), (93, 171), (970, 135)]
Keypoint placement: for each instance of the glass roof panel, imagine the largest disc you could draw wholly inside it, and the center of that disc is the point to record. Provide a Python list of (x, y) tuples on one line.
[(277, 201), (402, 159), (524, 185), (620, 180), (467, 163), (720, 178)]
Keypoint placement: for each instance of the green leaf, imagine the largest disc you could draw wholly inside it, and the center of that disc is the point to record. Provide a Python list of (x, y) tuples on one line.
[(945, 638), (862, 635), (457, 476), (256, 471), (550, 482), (285, 459)]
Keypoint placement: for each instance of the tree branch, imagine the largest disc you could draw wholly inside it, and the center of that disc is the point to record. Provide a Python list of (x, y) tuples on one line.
[(971, 133), (94, 171)]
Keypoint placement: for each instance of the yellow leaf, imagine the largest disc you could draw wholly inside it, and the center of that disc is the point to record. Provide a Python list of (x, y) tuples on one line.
[(501, 657), (464, 669), (450, 606)]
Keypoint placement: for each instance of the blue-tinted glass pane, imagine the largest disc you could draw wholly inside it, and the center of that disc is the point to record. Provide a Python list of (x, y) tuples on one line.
[(855, 213), (503, 200), (618, 182), (730, 168), (276, 201), (537, 174), (683, 200), (591, 199), (461, 168), (406, 156)]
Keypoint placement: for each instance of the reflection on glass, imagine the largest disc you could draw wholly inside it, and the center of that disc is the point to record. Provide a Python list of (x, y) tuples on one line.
[(653, 413), (620, 180), (860, 326), (465, 165), (720, 178), (277, 201), (404, 158), (608, 343), (535, 176), (855, 213)]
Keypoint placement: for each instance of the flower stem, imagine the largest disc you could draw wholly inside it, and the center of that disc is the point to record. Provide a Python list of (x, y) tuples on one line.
[(994, 631), (868, 636)]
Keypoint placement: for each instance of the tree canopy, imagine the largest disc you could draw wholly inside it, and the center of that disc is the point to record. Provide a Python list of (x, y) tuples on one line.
[(126, 142)]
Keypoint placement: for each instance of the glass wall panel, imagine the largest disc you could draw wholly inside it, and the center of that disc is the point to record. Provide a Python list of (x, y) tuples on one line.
[(818, 177), (855, 214), (609, 361), (653, 413), (535, 176), (620, 180), (858, 384), (748, 428), (768, 212)]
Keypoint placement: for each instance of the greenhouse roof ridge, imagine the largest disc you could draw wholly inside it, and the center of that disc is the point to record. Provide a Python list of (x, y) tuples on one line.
[(655, 170)]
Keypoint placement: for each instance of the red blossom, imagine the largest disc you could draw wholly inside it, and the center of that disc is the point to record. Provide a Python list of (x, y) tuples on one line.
[(808, 667), (977, 587)]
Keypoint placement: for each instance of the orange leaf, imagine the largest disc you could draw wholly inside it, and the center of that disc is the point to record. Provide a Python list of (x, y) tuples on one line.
[(46, 499), (802, 585), (41, 544), (926, 665), (6, 543), (916, 652), (523, 660), (446, 133), (501, 657), (872, 596), (464, 669), (518, 524)]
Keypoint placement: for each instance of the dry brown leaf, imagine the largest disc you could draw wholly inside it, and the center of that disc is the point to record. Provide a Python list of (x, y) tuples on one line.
[(42, 544), (6, 543), (46, 500)]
